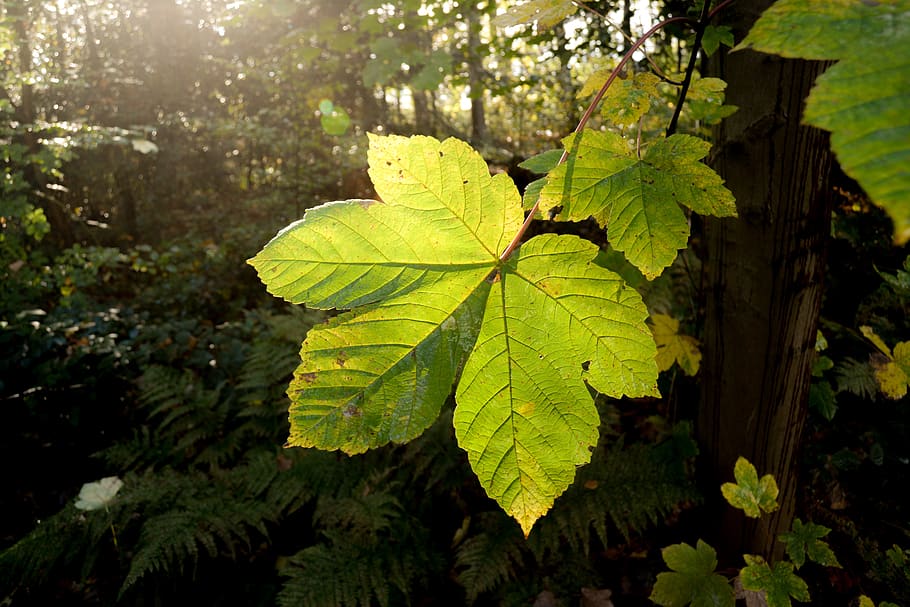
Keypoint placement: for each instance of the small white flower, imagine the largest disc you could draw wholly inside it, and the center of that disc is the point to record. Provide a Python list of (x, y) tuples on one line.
[(97, 495)]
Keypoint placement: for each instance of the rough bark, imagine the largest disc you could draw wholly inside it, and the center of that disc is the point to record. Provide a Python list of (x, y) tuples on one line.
[(763, 277)]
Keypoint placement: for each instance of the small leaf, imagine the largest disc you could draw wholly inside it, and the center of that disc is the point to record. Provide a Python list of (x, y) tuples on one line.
[(546, 13), (779, 584), (335, 122), (628, 99), (674, 347), (542, 163), (716, 35), (99, 494), (749, 493), (637, 199), (823, 399), (692, 579), (892, 374), (805, 540), (705, 100)]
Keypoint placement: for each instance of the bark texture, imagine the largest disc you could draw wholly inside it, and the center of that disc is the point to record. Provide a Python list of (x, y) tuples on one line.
[(763, 275)]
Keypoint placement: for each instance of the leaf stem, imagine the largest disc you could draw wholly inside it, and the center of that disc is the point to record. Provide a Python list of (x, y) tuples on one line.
[(700, 26), (586, 117)]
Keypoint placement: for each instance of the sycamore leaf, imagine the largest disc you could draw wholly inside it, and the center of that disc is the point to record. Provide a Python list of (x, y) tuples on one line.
[(865, 104), (546, 13), (594, 83), (637, 199), (428, 296), (892, 374), (749, 493), (99, 494), (778, 584), (805, 540), (628, 99), (553, 319), (673, 346), (692, 579)]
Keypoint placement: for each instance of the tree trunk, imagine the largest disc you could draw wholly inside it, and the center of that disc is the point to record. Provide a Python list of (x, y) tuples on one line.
[(475, 79), (26, 114), (763, 275)]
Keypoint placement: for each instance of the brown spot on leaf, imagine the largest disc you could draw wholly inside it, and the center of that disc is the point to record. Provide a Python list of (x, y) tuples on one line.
[(308, 377), (341, 359), (351, 410)]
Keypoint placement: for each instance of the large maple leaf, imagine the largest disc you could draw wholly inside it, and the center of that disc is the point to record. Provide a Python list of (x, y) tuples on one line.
[(427, 294)]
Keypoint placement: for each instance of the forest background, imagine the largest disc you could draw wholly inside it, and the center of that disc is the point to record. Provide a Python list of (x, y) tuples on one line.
[(151, 147)]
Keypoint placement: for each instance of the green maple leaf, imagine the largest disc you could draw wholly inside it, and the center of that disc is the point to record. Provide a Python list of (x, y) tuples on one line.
[(428, 295), (637, 199), (546, 13), (628, 99), (750, 494), (673, 346), (705, 100), (864, 103), (805, 540), (715, 36), (692, 579), (779, 584)]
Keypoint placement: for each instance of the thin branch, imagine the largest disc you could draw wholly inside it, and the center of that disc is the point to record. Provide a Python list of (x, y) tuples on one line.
[(703, 21), (627, 37), (584, 121)]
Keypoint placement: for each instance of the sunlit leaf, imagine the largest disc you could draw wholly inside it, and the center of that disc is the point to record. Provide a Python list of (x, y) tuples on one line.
[(692, 580), (864, 103), (748, 493), (637, 199), (628, 99), (545, 13), (428, 295)]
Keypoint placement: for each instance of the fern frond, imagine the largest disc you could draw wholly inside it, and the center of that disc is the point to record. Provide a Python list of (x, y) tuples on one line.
[(187, 514), (857, 378), (345, 573), (631, 487), (485, 561)]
